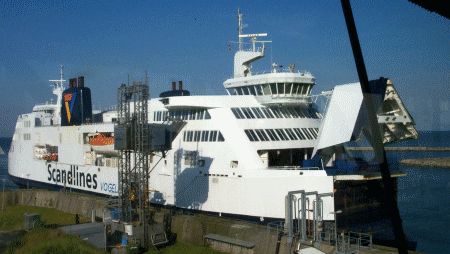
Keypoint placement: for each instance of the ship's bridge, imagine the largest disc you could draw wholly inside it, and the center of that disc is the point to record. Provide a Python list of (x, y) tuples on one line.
[(274, 87), (280, 86)]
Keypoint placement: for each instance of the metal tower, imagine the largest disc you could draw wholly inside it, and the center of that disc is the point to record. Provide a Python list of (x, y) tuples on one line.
[(134, 154)]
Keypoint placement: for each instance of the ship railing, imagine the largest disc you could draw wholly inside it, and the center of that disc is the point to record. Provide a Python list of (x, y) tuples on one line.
[(353, 241), (283, 99), (292, 168), (279, 70), (277, 226), (47, 103), (327, 236)]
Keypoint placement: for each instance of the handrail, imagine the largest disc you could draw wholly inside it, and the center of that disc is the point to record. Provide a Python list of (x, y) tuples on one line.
[(292, 168)]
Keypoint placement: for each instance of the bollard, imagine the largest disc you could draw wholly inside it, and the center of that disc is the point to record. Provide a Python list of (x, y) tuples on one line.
[(93, 215)]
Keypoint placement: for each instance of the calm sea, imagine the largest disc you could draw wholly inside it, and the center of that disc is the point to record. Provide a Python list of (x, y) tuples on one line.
[(423, 195)]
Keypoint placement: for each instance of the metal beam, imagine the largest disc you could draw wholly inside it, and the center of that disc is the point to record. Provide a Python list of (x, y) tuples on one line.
[(373, 133)]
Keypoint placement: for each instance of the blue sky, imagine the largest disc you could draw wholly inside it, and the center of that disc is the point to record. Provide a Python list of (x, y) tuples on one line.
[(187, 40)]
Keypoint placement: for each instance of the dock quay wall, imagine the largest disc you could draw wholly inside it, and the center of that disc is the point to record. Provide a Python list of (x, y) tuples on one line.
[(190, 228), (63, 201)]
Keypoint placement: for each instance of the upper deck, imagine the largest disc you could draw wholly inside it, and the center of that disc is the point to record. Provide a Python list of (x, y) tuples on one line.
[(281, 86)]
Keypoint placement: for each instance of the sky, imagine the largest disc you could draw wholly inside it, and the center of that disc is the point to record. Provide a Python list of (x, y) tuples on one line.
[(109, 41)]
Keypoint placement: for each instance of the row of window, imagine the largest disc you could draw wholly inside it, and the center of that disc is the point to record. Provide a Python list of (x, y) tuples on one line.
[(26, 136), (286, 89), (203, 136), (285, 112), (186, 114), (282, 134), (27, 124)]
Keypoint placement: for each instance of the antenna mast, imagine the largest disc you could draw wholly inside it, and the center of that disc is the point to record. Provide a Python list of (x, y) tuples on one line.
[(59, 83), (61, 69), (240, 29)]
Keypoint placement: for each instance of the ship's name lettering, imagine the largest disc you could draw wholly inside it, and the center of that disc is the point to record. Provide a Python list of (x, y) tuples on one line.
[(109, 187), (72, 177)]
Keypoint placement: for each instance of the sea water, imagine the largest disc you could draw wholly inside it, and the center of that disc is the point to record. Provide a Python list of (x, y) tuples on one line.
[(423, 195)]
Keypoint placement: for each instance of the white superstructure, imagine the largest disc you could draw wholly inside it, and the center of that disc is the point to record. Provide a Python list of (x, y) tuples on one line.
[(237, 154)]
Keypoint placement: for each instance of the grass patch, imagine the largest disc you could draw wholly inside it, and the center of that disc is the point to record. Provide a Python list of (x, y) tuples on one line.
[(52, 241), (185, 248), (12, 217), (43, 240)]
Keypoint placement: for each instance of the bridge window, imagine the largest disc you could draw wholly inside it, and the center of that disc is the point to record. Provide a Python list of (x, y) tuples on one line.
[(266, 89), (287, 88), (200, 114), (237, 113), (189, 136), (197, 136), (295, 87), (307, 133), (259, 90), (299, 133), (281, 134), (286, 113), (251, 135), (203, 136), (291, 134), (273, 136), (273, 88), (248, 113), (252, 90), (275, 112), (314, 132), (280, 88), (220, 137), (262, 135), (190, 114), (267, 112), (258, 112), (213, 136)]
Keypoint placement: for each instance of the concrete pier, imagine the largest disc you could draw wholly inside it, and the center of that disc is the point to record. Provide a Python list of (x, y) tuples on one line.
[(402, 149), (427, 162)]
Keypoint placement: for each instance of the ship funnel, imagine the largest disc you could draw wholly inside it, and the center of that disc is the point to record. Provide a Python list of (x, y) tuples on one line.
[(76, 82), (174, 85), (76, 104), (180, 85), (80, 82), (72, 82)]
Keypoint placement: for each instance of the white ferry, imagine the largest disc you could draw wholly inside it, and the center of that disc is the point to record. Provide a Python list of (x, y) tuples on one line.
[(237, 154)]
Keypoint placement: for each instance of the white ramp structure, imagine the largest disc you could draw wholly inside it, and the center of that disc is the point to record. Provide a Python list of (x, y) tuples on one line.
[(341, 115), (346, 116)]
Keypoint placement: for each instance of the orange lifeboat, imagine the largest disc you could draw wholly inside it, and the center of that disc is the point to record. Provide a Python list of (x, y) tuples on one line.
[(101, 140), (50, 157)]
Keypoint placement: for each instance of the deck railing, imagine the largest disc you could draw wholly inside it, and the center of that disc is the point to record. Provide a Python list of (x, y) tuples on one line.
[(293, 168)]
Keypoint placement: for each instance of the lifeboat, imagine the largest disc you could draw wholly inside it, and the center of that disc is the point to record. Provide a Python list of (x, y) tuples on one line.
[(101, 140), (50, 157)]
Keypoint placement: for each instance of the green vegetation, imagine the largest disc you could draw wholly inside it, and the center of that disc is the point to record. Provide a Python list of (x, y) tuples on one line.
[(12, 217), (52, 241), (43, 240), (184, 248)]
